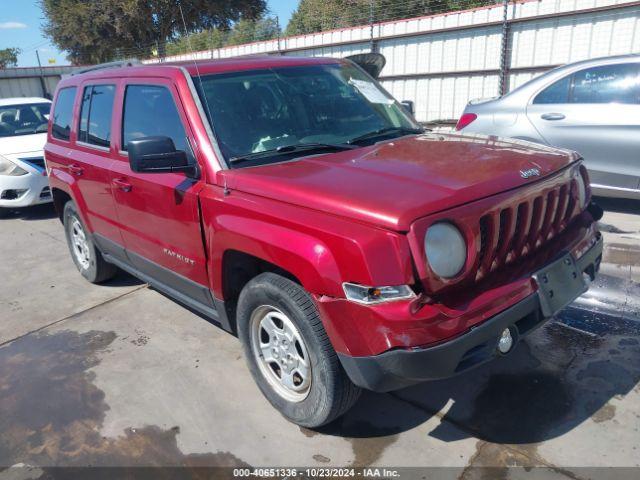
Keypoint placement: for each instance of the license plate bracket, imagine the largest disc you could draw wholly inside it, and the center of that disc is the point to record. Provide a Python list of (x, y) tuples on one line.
[(559, 284)]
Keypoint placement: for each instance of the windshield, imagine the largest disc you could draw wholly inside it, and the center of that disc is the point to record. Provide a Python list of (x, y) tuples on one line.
[(25, 119), (273, 110)]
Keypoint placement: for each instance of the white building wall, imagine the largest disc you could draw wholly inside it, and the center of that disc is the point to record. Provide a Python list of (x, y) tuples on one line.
[(443, 61)]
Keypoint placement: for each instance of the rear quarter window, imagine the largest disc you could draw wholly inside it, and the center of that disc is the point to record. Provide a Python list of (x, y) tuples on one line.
[(557, 92), (62, 113)]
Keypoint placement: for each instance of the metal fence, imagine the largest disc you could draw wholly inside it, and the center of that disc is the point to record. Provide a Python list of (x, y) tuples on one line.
[(441, 61), (31, 81)]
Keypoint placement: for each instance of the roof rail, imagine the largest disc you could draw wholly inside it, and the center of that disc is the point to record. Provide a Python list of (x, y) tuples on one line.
[(120, 63)]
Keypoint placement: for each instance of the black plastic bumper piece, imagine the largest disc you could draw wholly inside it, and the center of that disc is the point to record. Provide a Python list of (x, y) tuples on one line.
[(400, 368)]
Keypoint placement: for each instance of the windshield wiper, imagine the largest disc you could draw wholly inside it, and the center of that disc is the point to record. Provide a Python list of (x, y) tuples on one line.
[(385, 131), (296, 147)]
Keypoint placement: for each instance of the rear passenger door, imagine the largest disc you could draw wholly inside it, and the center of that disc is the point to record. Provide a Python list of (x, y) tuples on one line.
[(158, 212), (595, 111), (81, 147)]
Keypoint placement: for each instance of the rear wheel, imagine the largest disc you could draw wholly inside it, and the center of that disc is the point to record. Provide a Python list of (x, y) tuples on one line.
[(289, 353), (84, 253)]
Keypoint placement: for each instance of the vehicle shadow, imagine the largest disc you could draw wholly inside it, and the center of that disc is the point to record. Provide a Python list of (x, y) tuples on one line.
[(122, 279), (43, 211), (556, 379), (619, 205)]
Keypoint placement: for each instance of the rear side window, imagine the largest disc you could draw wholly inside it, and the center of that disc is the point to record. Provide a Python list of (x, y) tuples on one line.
[(149, 111), (558, 92), (607, 84), (62, 113), (95, 115)]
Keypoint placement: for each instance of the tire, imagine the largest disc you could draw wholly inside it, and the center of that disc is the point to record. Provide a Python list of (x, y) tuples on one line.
[(4, 212), (325, 392), (87, 258)]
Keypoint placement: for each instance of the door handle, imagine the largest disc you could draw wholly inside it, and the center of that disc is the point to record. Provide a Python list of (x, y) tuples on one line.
[(76, 169), (552, 116), (122, 184)]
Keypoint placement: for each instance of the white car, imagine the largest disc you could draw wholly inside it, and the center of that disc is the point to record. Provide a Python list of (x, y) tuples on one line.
[(23, 133)]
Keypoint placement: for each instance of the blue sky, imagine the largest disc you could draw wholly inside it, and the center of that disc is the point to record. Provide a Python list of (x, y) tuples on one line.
[(20, 22)]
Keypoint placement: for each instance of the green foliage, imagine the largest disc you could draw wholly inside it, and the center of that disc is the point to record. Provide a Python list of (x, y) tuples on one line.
[(247, 31), (95, 31), (243, 31), (9, 57), (204, 40), (318, 15)]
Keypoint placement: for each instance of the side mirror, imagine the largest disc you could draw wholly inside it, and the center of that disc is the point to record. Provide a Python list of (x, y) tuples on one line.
[(158, 155), (408, 105)]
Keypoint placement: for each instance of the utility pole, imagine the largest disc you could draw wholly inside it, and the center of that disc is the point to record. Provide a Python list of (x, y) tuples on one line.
[(211, 42), (279, 34), (504, 49), (43, 85), (371, 18)]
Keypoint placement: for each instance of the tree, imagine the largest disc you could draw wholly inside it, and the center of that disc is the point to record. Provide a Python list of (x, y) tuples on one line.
[(9, 57), (247, 31), (318, 15), (243, 31), (95, 31), (204, 40)]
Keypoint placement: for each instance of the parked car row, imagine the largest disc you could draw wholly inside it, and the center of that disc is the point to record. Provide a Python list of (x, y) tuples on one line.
[(297, 204), (592, 107)]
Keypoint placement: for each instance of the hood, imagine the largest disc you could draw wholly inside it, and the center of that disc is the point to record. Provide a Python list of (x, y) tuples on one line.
[(14, 146), (395, 182)]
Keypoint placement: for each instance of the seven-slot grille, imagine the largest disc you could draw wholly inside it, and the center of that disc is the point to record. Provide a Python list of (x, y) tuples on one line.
[(515, 231)]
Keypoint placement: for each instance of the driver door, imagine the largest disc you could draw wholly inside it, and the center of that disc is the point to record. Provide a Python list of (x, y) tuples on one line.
[(158, 213)]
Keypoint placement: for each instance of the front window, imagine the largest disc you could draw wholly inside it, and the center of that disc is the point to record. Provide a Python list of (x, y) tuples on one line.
[(24, 119), (594, 85), (608, 84), (260, 112), (142, 102)]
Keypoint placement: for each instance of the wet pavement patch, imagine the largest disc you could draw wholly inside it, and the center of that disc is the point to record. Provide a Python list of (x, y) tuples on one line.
[(605, 414), (52, 412), (558, 378), (520, 408), (373, 425)]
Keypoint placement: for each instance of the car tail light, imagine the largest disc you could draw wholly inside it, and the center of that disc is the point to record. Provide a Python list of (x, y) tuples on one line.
[(465, 120)]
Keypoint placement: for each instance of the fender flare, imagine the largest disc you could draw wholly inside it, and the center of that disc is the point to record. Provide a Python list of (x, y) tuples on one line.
[(302, 255)]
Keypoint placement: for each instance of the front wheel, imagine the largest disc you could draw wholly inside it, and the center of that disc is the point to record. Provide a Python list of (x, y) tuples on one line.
[(84, 253), (289, 353)]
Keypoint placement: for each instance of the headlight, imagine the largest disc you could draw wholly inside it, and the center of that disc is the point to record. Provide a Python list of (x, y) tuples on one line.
[(446, 249), (371, 295), (7, 167), (582, 179)]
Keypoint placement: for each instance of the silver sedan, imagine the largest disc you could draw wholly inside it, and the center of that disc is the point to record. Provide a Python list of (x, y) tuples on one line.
[(592, 107)]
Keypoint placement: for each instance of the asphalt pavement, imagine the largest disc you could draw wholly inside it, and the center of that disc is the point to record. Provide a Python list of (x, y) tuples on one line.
[(120, 375)]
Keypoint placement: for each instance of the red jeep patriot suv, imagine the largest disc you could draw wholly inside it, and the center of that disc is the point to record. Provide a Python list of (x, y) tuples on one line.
[(297, 204)]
